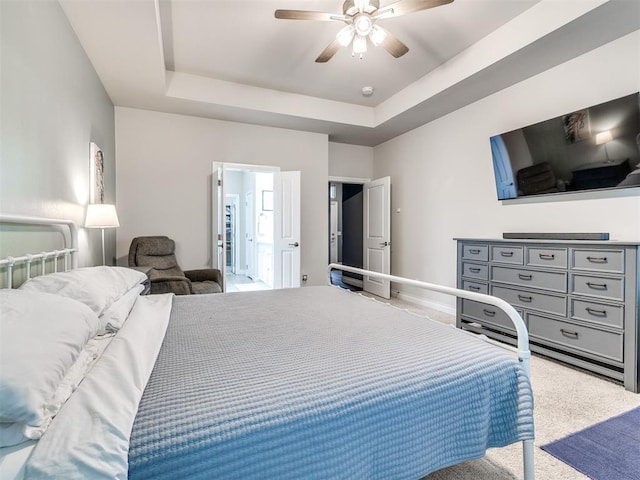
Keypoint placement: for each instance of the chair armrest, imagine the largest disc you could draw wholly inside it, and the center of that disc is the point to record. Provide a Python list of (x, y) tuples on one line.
[(170, 284), (204, 274)]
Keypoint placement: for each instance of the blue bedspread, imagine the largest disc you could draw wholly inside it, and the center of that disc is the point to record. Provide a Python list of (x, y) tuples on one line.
[(319, 383)]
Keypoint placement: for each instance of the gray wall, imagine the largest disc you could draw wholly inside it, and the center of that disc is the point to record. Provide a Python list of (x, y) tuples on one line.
[(52, 106), (164, 180), (442, 174)]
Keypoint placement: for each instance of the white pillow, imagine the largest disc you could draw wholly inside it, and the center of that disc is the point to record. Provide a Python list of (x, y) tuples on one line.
[(17, 432), (96, 287), (42, 337), (114, 317)]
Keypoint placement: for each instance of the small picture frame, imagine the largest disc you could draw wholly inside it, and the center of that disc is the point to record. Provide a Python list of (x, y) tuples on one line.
[(267, 200), (96, 162)]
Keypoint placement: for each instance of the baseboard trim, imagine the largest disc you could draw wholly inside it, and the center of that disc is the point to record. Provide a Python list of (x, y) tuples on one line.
[(424, 302)]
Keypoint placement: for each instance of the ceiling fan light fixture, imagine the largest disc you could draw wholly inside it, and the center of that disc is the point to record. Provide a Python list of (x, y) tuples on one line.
[(345, 35), (363, 24), (377, 35)]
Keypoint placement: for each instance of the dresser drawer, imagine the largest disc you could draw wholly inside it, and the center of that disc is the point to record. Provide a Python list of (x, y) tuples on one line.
[(599, 260), (507, 254), (487, 314), (547, 257), (475, 270), (475, 286), (612, 315), (538, 301), (475, 252), (590, 340), (602, 287), (554, 281)]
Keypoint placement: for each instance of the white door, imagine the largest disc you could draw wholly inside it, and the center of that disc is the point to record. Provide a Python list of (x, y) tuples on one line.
[(502, 169), (377, 234), (219, 254), (286, 229), (333, 233), (250, 225)]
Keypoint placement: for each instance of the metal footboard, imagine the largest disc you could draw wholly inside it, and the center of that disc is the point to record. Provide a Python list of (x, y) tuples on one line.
[(522, 350)]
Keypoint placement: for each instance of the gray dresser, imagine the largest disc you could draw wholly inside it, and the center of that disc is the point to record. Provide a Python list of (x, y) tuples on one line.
[(579, 299)]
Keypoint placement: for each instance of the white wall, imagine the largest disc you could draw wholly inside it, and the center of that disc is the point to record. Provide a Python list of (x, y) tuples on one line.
[(442, 177), (53, 105), (350, 161), (164, 176)]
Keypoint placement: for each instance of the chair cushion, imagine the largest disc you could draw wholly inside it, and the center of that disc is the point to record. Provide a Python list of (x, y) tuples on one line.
[(156, 246), (160, 262), (159, 253), (206, 287)]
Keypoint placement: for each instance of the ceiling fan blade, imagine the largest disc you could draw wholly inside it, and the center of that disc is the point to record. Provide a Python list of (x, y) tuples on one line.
[(307, 15), (408, 6), (394, 46), (328, 52)]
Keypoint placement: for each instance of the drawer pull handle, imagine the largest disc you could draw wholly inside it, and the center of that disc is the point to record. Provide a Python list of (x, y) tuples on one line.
[(597, 286), (522, 276), (489, 313), (474, 269), (506, 254), (597, 259), (597, 313), (525, 298), (546, 256), (569, 333), (474, 288), (475, 251)]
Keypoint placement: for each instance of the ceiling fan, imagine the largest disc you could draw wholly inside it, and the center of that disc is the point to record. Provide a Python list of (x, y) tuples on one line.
[(361, 18)]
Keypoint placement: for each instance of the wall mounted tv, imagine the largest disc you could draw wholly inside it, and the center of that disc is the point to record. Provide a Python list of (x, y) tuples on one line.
[(595, 148)]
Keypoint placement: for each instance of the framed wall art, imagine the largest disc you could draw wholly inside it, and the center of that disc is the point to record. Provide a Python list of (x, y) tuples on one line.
[(97, 174)]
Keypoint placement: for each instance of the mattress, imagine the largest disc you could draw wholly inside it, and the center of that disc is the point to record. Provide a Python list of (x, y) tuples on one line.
[(320, 383)]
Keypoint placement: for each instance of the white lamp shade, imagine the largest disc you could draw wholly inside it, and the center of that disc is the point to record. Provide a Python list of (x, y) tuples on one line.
[(359, 44), (603, 137), (101, 215), (345, 35)]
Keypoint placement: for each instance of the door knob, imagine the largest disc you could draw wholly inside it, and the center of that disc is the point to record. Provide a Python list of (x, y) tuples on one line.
[(385, 244), (294, 244)]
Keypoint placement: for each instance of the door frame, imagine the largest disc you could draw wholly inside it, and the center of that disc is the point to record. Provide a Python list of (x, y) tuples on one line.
[(354, 181), (215, 242)]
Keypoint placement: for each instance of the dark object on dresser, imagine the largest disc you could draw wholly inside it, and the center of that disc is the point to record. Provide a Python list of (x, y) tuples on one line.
[(166, 276), (556, 236)]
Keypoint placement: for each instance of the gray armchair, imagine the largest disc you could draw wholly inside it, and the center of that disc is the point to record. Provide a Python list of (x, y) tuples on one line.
[(166, 276)]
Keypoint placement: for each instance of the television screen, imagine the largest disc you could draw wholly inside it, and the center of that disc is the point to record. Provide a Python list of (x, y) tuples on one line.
[(594, 148)]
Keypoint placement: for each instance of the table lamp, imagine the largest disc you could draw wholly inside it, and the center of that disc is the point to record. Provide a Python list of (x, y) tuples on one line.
[(604, 137), (101, 215)]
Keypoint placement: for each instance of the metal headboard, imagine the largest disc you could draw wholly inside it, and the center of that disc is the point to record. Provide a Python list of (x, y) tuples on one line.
[(70, 252)]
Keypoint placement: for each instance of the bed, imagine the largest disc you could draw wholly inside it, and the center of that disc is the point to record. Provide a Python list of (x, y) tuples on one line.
[(315, 382)]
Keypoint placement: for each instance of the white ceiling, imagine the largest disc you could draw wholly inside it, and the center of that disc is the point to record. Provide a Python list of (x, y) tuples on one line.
[(232, 60)]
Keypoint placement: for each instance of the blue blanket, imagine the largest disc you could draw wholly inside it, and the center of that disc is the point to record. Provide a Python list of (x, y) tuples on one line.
[(319, 383)]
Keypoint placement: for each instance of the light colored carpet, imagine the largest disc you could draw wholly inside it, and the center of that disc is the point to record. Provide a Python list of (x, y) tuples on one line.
[(565, 400)]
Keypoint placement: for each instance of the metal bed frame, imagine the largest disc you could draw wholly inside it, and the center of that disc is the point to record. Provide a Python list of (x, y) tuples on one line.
[(522, 350), (71, 249), (68, 253)]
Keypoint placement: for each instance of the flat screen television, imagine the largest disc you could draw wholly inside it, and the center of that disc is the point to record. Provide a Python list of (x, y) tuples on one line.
[(595, 148)]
